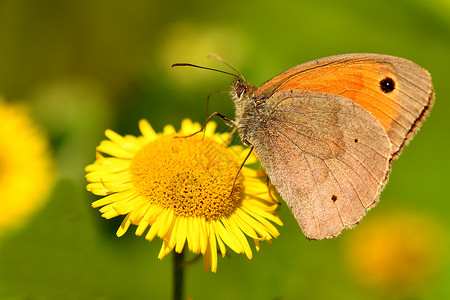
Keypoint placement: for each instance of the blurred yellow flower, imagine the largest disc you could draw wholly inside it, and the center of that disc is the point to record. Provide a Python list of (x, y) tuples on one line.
[(397, 254), (26, 170), (181, 189)]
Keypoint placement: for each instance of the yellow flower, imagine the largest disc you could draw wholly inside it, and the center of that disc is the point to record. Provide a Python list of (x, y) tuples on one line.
[(25, 166), (181, 189), (399, 253)]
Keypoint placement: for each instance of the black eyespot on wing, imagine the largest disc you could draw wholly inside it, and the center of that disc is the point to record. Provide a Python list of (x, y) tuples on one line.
[(356, 140), (387, 85), (334, 198)]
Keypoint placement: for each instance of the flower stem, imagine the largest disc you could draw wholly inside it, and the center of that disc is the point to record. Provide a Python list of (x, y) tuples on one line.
[(178, 275)]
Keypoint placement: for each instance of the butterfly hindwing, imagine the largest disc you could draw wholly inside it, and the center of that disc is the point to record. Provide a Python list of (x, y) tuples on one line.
[(327, 156)]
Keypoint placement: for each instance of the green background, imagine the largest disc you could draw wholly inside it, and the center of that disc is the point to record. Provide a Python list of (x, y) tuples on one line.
[(85, 66)]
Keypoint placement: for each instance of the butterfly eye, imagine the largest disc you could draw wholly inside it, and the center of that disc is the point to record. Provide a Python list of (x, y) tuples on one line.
[(240, 90)]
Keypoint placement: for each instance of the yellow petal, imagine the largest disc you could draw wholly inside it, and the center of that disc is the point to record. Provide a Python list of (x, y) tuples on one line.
[(124, 226), (181, 234), (147, 130)]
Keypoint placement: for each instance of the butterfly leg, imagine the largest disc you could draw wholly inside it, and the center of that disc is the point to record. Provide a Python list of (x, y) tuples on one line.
[(225, 119), (240, 168)]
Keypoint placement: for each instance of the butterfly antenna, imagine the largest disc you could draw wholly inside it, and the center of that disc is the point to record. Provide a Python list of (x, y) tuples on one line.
[(205, 68), (226, 63)]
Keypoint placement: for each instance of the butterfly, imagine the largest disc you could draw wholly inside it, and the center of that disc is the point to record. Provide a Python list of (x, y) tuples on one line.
[(327, 131)]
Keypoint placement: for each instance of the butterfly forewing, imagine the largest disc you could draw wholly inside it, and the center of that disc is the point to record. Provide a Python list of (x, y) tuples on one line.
[(396, 91)]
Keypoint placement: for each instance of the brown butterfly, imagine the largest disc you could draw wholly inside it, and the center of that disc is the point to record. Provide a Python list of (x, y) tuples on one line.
[(327, 132)]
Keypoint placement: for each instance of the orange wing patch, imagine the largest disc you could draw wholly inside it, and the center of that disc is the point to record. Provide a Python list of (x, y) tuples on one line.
[(358, 81)]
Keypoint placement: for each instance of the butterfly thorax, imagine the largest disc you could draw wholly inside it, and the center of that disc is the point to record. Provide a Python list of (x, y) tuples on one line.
[(249, 109)]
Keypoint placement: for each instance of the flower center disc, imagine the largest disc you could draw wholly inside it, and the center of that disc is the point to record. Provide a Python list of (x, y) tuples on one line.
[(193, 177)]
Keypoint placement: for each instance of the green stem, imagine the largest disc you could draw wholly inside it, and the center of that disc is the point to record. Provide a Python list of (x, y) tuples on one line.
[(178, 275)]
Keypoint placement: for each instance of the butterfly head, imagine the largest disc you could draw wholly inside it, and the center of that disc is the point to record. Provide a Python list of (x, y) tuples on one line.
[(239, 88)]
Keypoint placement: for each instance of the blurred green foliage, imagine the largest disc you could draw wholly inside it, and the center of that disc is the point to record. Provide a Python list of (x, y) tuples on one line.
[(85, 66)]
